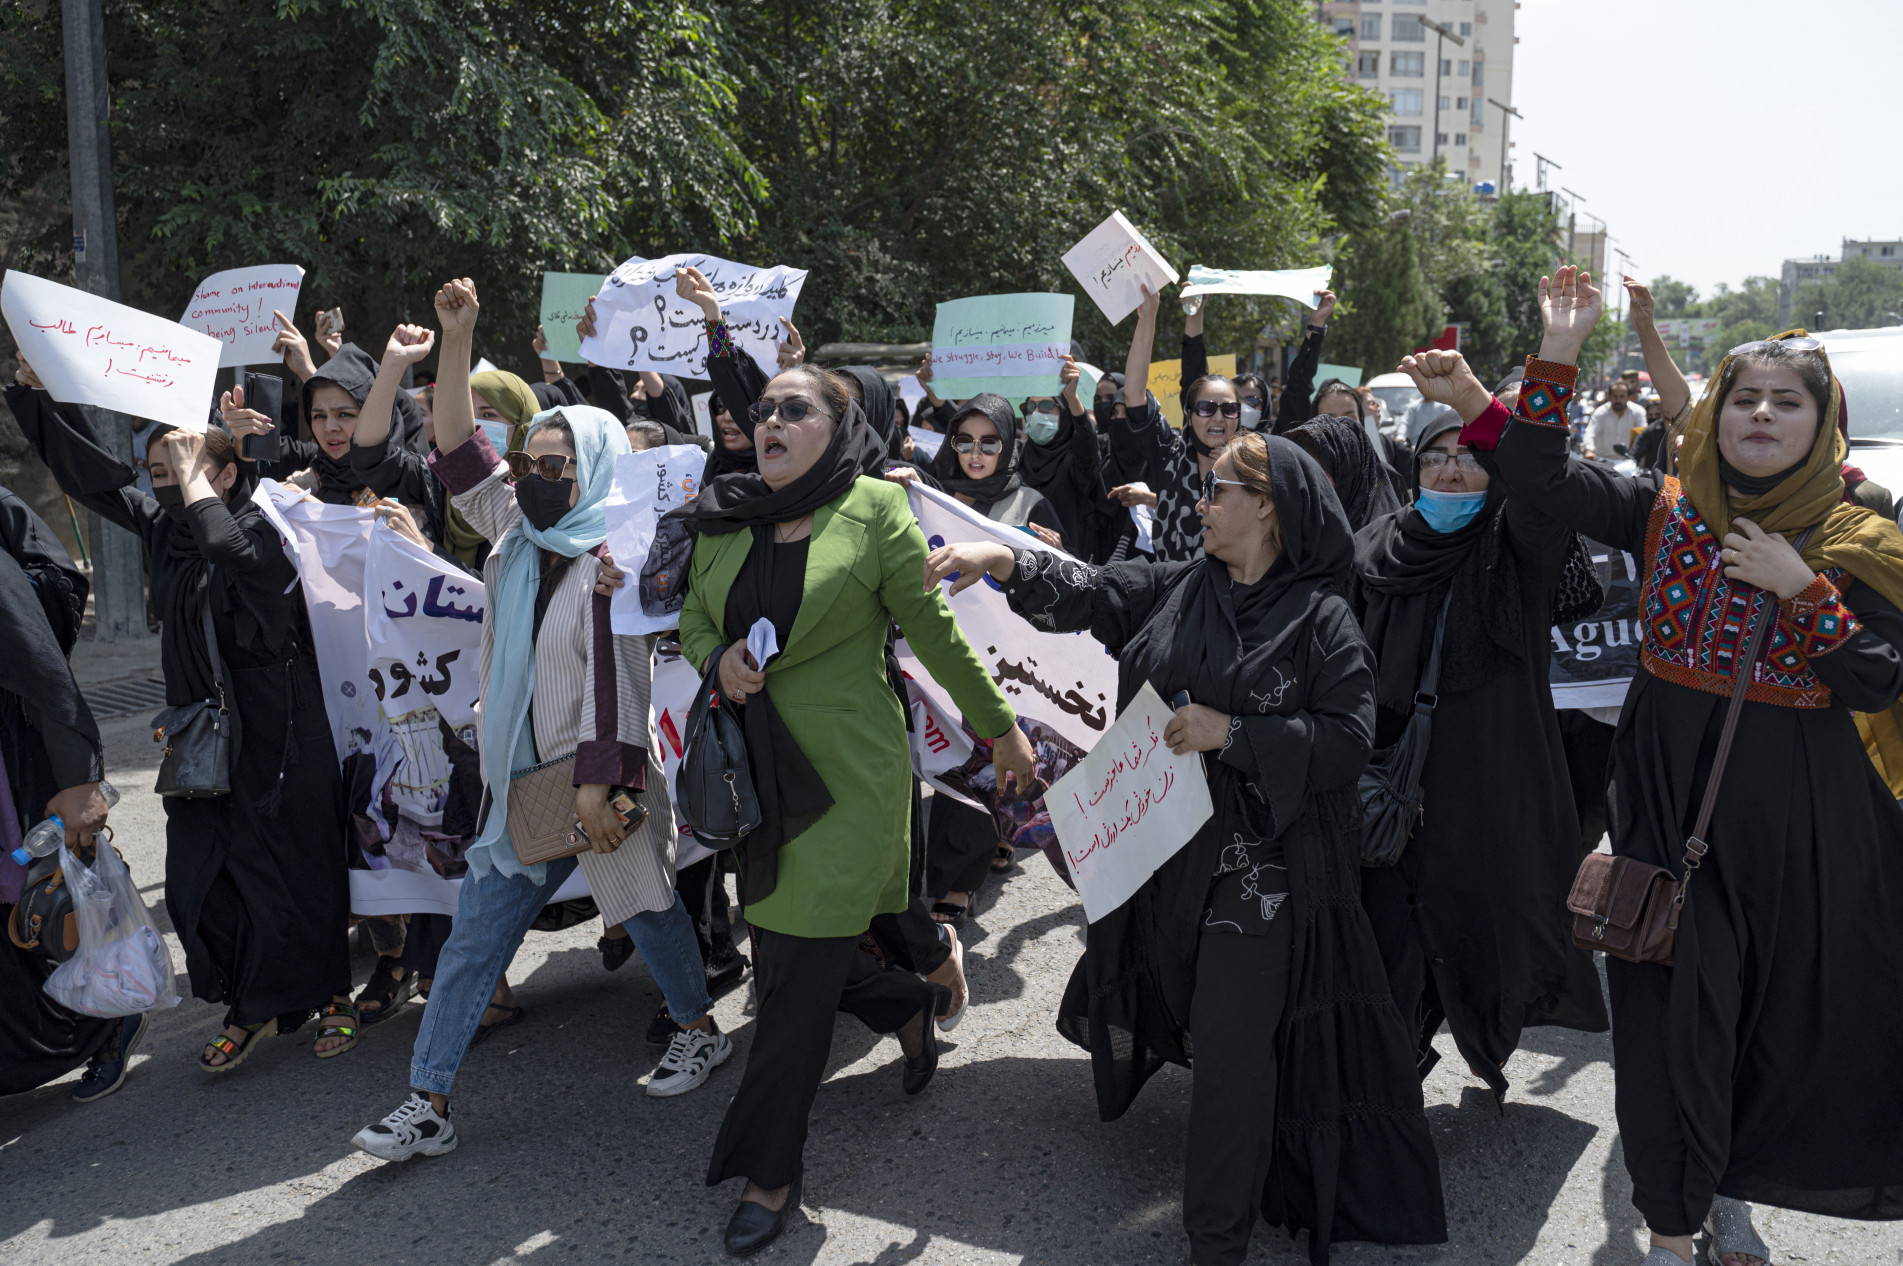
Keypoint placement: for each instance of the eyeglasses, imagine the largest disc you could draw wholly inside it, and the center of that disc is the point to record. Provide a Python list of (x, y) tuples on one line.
[(990, 447), (791, 409), (1209, 409), (1210, 483), (1043, 406), (549, 466), (1795, 344), (1434, 459)]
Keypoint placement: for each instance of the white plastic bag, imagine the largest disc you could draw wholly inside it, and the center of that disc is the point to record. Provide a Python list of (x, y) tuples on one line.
[(122, 966)]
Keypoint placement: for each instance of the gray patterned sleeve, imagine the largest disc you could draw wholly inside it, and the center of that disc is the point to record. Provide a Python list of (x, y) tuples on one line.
[(1058, 594)]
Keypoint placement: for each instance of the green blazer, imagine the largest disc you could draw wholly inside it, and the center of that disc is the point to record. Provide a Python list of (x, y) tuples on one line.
[(865, 568)]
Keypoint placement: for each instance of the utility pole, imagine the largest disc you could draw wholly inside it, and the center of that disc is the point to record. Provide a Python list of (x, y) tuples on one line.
[(1505, 110), (118, 579), (1440, 33), (1544, 163), (1572, 220), (1625, 326)]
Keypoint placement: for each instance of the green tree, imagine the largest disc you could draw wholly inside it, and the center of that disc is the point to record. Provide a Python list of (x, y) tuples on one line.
[(1389, 309), (1859, 294), (1672, 297)]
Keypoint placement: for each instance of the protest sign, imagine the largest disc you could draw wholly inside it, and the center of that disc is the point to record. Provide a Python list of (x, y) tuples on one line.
[(1299, 284), (1166, 381), (89, 350), (1113, 263), (641, 323), (925, 444), (1350, 374), (703, 406), (1128, 806), (911, 392), (564, 300), (1014, 345), (1595, 659), (648, 485), (235, 307), (424, 630)]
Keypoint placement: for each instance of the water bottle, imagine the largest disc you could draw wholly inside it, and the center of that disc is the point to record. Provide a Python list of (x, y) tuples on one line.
[(45, 839), (1192, 305)]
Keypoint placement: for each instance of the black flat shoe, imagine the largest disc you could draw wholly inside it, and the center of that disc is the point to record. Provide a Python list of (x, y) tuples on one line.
[(754, 1226), (615, 950), (920, 1068)]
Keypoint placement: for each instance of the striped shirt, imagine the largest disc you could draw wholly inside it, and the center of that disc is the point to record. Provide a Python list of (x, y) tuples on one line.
[(590, 695)]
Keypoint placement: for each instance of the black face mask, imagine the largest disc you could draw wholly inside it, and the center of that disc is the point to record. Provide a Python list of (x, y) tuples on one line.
[(640, 409), (544, 502), (171, 498), (1106, 413)]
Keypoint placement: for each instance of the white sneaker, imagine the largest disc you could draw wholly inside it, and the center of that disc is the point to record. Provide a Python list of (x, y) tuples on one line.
[(690, 1057), (415, 1129)]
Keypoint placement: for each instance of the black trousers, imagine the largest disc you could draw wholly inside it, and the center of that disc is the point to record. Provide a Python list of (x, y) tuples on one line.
[(1242, 986), (959, 849), (802, 982)]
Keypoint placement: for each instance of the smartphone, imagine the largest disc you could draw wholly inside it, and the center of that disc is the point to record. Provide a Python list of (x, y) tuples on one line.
[(1181, 700), (631, 811), (336, 318), (265, 394)]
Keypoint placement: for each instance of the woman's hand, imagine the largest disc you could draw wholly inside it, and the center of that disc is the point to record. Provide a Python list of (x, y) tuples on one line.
[(1324, 308), (690, 285), (1446, 378), (610, 578), (182, 450), (291, 345), (1570, 306), (25, 376), (793, 350), (924, 376), (1641, 303), (400, 520), (603, 824), (83, 809), (240, 421), (409, 344), (1146, 310), (456, 308), (1045, 535), (327, 338), (1764, 559), (1196, 728), (739, 675), (1131, 495), (1068, 378), (586, 326), (1012, 760), (902, 475), (970, 559)]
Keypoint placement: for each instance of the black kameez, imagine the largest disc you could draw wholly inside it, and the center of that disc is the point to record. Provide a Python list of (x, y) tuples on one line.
[(255, 881), (1763, 1064), (1351, 1157)]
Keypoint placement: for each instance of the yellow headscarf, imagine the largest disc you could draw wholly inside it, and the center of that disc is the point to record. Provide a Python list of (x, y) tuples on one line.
[(509, 396), (1863, 543)]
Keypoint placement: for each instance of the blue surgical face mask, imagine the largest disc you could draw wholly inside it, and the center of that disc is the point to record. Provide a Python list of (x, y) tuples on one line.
[(1449, 511), (1041, 428)]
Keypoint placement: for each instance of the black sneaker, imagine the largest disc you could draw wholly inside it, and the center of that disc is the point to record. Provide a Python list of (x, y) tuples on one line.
[(415, 1129), (106, 1072), (661, 1029)]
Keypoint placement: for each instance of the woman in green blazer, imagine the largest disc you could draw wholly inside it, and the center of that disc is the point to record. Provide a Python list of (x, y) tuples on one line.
[(830, 560)]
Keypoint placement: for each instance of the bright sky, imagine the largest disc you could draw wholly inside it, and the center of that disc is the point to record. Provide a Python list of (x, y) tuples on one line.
[(1633, 96)]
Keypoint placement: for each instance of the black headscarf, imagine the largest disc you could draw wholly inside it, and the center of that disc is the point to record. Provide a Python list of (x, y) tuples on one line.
[(876, 394), (1003, 480), (353, 370), (737, 499), (1347, 456)]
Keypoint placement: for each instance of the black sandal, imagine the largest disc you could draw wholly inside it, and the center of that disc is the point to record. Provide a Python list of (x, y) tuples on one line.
[(955, 912), (385, 990), (235, 1052), (514, 1016), (338, 1010), (1004, 859)]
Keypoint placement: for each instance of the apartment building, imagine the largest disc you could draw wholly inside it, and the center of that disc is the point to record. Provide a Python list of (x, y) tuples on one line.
[(1820, 267), (1437, 90)]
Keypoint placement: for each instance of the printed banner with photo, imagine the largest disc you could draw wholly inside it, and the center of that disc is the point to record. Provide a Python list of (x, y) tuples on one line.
[(641, 323), (1595, 659)]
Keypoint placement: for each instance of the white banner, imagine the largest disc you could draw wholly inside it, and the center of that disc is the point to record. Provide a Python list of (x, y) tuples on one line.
[(1299, 284), (647, 486), (235, 307), (1128, 806), (88, 350), (641, 323), (1113, 263), (394, 891), (423, 631)]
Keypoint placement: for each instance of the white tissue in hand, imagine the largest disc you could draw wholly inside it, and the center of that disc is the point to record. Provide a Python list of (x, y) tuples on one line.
[(763, 641)]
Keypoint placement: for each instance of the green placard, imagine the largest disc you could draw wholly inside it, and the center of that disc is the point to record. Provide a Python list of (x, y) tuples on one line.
[(564, 297), (1011, 344), (1350, 374)]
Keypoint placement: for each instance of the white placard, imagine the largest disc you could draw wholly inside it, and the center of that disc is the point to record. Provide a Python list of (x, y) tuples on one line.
[(1113, 263), (703, 403), (424, 628), (1128, 806), (925, 444), (647, 485), (235, 307), (1299, 284), (641, 323), (88, 350)]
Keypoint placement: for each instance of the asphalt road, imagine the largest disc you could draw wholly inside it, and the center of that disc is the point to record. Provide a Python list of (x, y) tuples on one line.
[(563, 1159)]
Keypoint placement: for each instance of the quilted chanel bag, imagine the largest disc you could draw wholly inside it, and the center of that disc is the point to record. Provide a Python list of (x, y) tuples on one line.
[(542, 824)]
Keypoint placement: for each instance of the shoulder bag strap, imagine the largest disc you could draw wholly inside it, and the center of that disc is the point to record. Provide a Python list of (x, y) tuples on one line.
[(1695, 845), (227, 707), (1426, 698)]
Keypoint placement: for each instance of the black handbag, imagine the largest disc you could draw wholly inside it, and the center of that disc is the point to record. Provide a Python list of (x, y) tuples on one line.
[(713, 788), (1581, 592), (1391, 784), (198, 737)]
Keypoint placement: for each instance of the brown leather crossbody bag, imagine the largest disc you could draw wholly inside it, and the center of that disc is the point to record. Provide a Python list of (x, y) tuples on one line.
[(1630, 909)]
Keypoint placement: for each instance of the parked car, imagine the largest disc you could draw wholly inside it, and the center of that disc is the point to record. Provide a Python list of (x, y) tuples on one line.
[(1869, 364)]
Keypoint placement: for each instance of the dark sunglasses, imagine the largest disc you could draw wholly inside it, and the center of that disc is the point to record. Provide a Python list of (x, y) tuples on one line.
[(1209, 409), (1795, 344), (791, 409), (1043, 406), (1210, 483), (962, 443), (1253, 402), (550, 466)]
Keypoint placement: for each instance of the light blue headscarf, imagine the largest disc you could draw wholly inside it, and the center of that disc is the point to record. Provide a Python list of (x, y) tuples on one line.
[(507, 744)]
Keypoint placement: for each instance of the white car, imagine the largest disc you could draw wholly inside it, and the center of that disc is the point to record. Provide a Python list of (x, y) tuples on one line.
[(1869, 363)]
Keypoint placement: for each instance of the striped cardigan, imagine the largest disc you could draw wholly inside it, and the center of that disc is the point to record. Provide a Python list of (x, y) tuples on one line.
[(591, 691)]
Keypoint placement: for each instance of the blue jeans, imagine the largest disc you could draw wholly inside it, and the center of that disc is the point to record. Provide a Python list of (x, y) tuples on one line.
[(493, 914)]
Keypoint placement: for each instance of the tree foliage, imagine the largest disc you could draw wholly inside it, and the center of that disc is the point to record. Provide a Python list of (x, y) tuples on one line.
[(1859, 294)]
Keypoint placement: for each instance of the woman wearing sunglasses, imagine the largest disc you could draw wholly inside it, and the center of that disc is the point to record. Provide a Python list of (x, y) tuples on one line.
[(557, 682), (1292, 404), (1470, 917), (1247, 947), (829, 560), (1762, 1064)]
